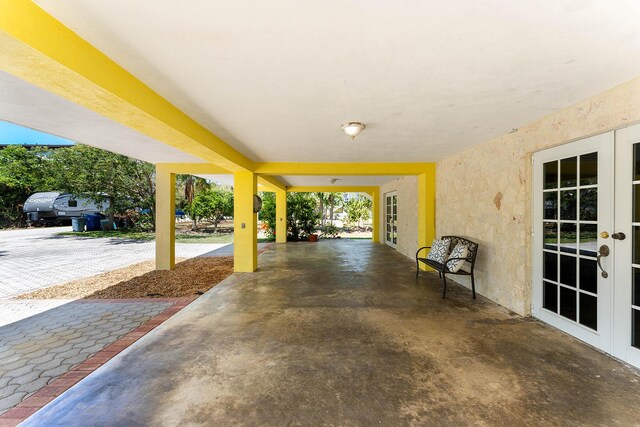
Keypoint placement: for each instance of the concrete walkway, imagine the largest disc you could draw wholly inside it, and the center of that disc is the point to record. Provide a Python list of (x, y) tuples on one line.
[(342, 333)]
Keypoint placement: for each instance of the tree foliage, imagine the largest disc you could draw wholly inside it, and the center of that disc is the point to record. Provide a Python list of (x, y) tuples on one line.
[(22, 173), (268, 213), (212, 205), (98, 174), (302, 214), (80, 170), (358, 209), (187, 186), (328, 201)]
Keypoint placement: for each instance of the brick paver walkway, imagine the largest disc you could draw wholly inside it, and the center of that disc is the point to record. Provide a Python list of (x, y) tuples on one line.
[(36, 351)]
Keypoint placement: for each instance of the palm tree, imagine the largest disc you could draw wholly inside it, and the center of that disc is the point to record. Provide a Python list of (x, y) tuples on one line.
[(322, 200), (192, 185), (334, 200)]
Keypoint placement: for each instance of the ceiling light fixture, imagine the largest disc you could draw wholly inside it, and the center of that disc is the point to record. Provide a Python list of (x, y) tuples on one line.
[(353, 129)]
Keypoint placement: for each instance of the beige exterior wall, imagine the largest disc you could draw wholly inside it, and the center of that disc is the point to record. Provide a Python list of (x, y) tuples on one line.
[(484, 192), (407, 190)]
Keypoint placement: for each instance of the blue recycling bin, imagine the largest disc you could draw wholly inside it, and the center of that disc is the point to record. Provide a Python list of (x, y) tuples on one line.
[(93, 222)]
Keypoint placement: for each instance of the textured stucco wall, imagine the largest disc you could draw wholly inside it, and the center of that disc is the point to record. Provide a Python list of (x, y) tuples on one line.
[(407, 189), (484, 192)]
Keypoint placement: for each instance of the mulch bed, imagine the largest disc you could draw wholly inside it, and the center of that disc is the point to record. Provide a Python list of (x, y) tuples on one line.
[(192, 277)]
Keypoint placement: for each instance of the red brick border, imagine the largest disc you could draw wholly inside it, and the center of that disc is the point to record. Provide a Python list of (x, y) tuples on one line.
[(46, 394)]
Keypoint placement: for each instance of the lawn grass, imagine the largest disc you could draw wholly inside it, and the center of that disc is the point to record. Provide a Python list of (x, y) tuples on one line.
[(205, 238), (116, 234), (180, 237), (141, 235)]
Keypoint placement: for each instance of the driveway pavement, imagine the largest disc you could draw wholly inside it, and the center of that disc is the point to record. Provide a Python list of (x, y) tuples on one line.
[(37, 258)]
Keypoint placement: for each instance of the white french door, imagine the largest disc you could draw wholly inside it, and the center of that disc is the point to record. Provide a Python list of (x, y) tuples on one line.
[(573, 204), (626, 335), (586, 240), (391, 219)]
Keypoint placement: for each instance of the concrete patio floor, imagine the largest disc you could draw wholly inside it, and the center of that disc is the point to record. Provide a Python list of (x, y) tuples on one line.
[(341, 333)]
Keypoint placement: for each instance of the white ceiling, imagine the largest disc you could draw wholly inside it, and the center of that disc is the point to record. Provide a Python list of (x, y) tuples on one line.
[(29, 106), (428, 77), (312, 181), (347, 180)]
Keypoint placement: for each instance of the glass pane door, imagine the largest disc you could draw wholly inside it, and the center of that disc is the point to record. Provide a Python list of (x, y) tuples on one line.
[(572, 197), (391, 219), (635, 245), (570, 214), (626, 338)]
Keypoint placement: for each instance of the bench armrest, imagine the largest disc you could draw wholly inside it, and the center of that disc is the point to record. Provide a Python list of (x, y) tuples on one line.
[(424, 247)]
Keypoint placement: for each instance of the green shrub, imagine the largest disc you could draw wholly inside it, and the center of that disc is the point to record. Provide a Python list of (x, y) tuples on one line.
[(302, 215), (329, 231)]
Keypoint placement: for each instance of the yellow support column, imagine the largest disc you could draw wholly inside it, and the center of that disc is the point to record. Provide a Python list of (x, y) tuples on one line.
[(426, 208), (245, 222), (281, 216), (165, 218), (375, 215)]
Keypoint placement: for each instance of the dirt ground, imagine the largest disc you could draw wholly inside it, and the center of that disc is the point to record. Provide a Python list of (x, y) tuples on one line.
[(191, 277)]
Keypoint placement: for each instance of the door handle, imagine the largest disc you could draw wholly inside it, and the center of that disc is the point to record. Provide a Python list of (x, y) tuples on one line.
[(602, 253), (619, 236)]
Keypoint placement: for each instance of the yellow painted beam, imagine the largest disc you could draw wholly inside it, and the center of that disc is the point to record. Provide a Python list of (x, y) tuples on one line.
[(195, 169), (292, 168), (38, 49), (271, 183), (375, 215), (165, 219), (330, 189), (245, 223), (281, 216), (426, 210)]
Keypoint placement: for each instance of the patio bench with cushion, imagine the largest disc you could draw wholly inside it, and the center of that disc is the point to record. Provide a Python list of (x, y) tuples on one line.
[(450, 255)]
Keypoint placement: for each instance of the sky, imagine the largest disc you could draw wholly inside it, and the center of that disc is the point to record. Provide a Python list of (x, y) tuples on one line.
[(15, 134)]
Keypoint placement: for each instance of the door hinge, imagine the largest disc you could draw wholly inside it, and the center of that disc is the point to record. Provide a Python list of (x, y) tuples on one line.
[(531, 159), (531, 231)]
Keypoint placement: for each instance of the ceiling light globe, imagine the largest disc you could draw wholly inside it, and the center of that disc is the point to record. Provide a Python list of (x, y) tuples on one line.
[(353, 129)]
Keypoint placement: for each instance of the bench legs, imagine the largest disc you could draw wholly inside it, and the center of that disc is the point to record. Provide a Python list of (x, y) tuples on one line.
[(473, 286), (444, 281), (444, 288)]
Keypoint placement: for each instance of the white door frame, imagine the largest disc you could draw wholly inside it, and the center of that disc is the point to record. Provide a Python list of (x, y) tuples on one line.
[(603, 144)]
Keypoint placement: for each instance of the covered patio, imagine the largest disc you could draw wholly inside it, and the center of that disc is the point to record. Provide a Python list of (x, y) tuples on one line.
[(515, 125), (342, 332)]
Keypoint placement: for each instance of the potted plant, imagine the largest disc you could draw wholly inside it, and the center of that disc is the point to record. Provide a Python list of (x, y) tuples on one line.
[(310, 230)]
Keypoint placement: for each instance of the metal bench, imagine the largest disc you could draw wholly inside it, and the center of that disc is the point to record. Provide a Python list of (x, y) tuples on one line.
[(466, 270)]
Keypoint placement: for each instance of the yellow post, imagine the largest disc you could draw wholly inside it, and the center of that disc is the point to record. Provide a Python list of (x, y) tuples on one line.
[(375, 215), (245, 222), (281, 216), (165, 218), (426, 208)]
